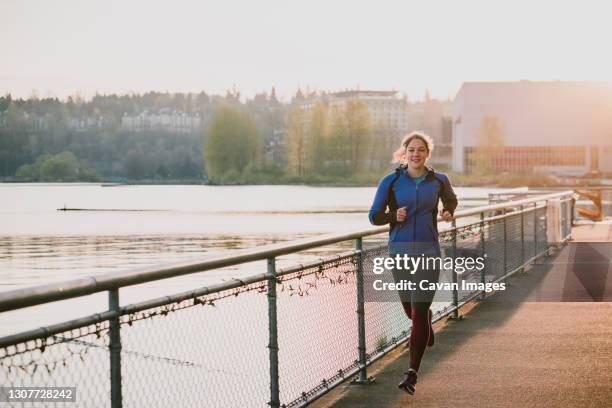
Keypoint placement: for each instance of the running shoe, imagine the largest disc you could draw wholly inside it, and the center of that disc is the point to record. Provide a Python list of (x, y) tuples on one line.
[(409, 383)]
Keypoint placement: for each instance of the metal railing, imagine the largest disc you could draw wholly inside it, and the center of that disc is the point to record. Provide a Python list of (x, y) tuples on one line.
[(208, 346), (603, 193)]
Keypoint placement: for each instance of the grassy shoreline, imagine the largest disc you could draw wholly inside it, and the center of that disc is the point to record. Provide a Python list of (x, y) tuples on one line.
[(363, 180)]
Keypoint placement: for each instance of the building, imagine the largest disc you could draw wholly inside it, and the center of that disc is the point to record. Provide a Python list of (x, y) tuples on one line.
[(392, 117), (434, 117), (388, 113), (165, 119), (559, 127)]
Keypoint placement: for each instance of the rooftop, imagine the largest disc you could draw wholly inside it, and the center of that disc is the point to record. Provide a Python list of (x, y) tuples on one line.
[(356, 93)]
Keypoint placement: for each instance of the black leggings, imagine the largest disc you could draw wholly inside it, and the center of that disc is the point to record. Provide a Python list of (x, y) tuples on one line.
[(416, 304)]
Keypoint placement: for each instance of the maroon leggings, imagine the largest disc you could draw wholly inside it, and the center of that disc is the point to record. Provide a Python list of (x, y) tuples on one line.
[(420, 332), (416, 304)]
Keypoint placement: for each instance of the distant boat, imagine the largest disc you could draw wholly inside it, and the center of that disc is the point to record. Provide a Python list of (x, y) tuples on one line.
[(64, 208), (114, 185)]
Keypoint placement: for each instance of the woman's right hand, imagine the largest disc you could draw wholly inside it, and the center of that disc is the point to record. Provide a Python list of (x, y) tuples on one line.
[(400, 215)]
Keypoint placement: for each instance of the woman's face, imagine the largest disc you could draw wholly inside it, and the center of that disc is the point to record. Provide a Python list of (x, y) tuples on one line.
[(416, 153)]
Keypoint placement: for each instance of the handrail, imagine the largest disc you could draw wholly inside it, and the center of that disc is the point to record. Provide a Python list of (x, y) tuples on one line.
[(164, 300), (500, 206), (37, 295), (581, 186)]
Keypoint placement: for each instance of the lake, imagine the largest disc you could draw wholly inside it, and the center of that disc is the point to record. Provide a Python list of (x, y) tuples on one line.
[(124, 227)]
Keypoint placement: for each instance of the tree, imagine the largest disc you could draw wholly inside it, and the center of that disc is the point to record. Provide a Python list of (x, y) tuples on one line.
[(298, 98), (338, 149), (316, 149), (380, 150), (489, 144), (359, 133), (4, 102), (15, 117), (232, 143), (296, 142), (62, 167), (273, 99), (135, 164)]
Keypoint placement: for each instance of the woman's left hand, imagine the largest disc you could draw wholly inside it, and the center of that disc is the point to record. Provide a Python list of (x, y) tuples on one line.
[(446, 216)]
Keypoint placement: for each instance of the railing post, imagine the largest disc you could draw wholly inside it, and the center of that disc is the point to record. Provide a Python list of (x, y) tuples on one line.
[(547, 247), (522, 239), (455, 315), (505, 242), (273, 335), (361, 333), (115, 349), (482, 252), (535, 232), (573, 208)]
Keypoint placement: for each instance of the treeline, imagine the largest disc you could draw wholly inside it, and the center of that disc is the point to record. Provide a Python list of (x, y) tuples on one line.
[(113, 107), (112, 155), (336, 141), (322, 145), (32, 129), (260, 140), (60, 167)]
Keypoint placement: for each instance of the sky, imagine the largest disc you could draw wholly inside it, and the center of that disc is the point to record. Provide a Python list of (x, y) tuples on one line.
[(61, 47)]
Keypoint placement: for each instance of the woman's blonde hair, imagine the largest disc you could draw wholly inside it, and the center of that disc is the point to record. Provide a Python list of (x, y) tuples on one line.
[(400, 153)]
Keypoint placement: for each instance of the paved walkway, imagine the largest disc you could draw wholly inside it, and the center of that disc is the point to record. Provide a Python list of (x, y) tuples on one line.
[(544, 342)]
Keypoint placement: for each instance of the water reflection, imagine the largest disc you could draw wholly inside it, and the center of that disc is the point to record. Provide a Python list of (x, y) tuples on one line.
[(29, 260)]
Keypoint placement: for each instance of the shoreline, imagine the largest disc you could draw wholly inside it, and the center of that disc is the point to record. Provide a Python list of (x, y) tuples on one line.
[(107, 183)]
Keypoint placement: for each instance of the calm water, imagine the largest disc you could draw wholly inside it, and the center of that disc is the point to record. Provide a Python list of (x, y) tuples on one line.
[(124, 227)]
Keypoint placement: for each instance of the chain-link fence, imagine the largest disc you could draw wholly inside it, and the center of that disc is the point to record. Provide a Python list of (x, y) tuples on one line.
[(567, 217), (208, 351), (386, 324), (281, 338), (75, 358), (606, 201), (316, 341)]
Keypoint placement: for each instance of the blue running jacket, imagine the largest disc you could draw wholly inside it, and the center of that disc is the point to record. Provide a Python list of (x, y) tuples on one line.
[(419, 232)]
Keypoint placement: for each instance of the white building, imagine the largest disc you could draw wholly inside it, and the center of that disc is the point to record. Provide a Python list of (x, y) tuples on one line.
[(392, 117), (388, 113), (165, 119), (563, 127)]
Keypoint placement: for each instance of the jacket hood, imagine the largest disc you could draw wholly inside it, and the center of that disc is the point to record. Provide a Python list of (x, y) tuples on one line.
[(428, 169)]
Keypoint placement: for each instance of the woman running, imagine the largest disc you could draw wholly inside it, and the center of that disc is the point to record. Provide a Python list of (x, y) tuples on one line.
[(407, 199)]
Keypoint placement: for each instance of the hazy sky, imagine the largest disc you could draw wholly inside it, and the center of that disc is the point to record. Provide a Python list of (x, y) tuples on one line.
[(59, 47)]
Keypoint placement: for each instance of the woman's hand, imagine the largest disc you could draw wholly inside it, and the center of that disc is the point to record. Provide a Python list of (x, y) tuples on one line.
[(400, 215), (446, 216)]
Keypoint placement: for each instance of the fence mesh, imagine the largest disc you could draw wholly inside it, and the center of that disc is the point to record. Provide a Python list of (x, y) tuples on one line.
[(466, 244), (494, 250), (606, 202), (208, 351), (541, 239), (529, 223), (385, 320), (514, 247), (77, 358), (566, 218), (317, 328)]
